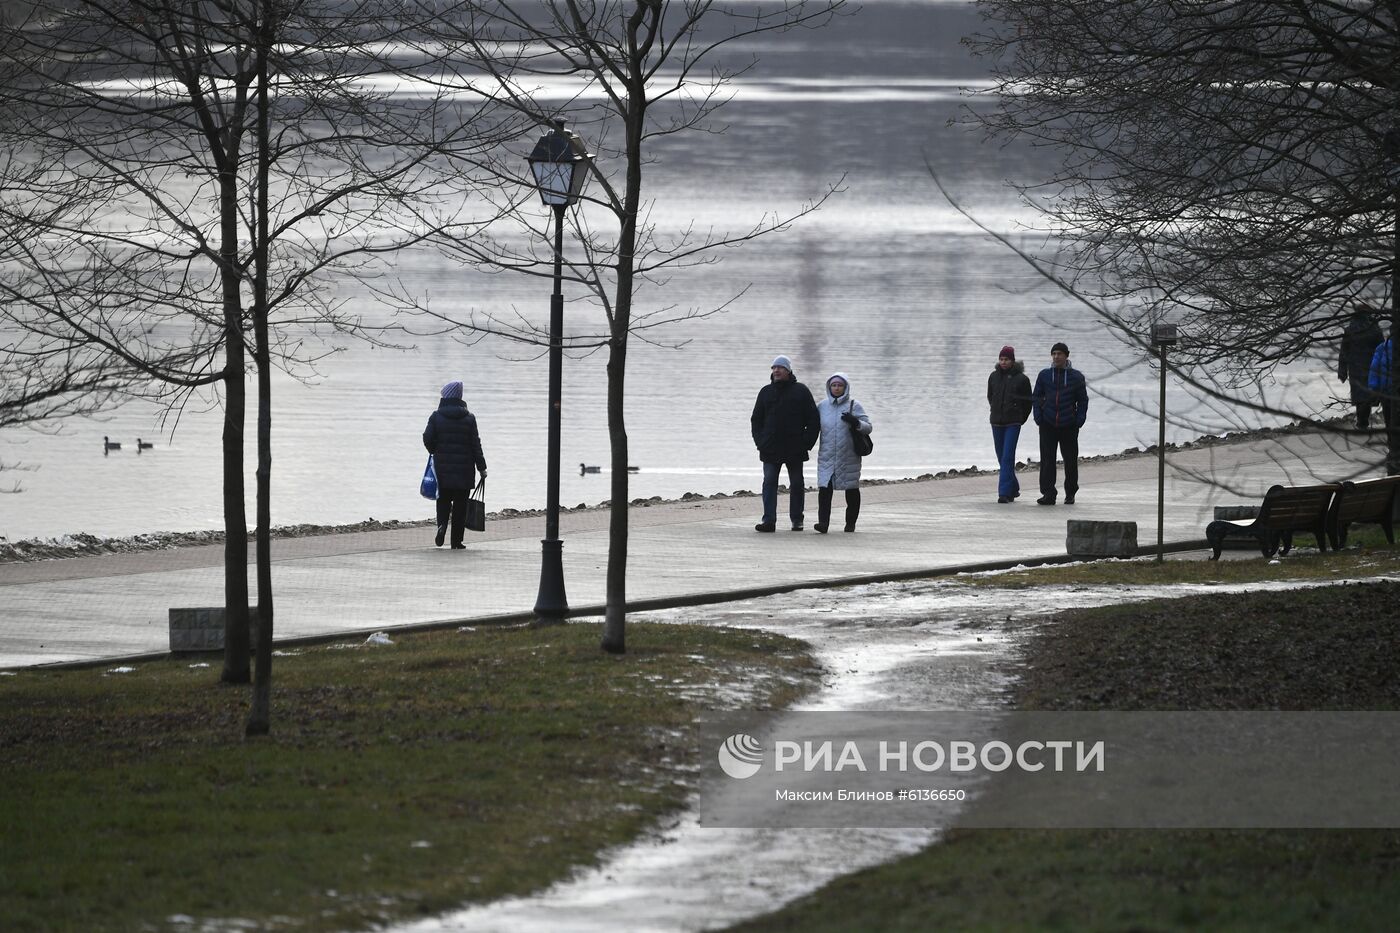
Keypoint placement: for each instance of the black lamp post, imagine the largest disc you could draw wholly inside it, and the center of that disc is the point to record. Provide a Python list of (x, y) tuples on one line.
[(1163, 336), (559, 164)]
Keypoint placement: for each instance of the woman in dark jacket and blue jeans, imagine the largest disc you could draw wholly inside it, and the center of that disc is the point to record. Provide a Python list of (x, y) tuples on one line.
[(1009, 395), (451, 437)]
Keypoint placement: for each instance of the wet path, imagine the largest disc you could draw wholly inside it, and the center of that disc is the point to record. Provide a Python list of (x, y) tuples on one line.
[(907, 646)]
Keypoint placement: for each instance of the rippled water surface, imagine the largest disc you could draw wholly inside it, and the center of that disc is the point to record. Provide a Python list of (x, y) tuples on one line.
[(885, 283)]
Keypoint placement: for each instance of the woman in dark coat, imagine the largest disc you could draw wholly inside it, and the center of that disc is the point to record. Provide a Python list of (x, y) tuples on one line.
[(1009, 395), (451, 437)]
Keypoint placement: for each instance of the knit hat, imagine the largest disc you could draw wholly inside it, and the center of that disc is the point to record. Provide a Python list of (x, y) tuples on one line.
[(782, 361), (452, 390), (1007, 351), (1061, 347)]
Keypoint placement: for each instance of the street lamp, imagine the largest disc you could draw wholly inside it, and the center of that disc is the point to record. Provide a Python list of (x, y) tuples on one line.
[(1163, 336), (559, 165)]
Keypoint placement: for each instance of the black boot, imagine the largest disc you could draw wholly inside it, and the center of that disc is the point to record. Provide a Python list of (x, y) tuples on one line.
[(852, 508), (823, 510)]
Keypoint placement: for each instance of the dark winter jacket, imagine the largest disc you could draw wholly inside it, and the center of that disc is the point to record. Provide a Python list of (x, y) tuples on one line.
[(785, 422), (1359, 342), (452, 439), (1009, 394), (1060, 399)]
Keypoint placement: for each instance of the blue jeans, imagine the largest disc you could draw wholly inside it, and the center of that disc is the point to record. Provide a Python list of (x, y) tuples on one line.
[(797, 490), (1004, 438)]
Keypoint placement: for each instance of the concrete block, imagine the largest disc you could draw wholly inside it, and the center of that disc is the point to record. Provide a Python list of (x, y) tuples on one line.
[(1100, 539), (202, 629)]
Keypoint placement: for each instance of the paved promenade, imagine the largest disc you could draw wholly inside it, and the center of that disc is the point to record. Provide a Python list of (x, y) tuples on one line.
[(94, 608)]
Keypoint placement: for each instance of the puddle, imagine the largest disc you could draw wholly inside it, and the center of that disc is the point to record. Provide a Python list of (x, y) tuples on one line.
[(896, 646)]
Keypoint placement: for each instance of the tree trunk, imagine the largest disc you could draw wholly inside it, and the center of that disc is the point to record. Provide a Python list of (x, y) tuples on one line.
[(236, 635), (260, 712), (615, 614), (1391, 391)]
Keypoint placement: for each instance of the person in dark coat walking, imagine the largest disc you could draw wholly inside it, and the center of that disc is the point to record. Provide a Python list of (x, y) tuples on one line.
[(452, 438), (785, 427), (1060, 403), (1359, 342), (1009, 396)]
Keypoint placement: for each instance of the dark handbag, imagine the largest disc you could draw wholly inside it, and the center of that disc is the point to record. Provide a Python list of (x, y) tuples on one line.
[(476, 507), (859, 439), (428, 488)]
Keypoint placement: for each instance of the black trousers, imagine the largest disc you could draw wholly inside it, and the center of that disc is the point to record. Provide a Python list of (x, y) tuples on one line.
[(824, 506), (1067, 441), (452, 506)]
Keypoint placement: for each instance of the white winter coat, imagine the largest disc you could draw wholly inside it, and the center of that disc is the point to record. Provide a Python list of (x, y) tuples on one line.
[(838, 464)]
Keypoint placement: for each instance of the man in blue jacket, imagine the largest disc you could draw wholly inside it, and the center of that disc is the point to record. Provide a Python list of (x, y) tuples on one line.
[(1382, 377), (1059, 402)]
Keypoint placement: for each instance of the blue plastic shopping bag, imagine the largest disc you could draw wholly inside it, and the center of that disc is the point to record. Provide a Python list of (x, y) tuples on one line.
[(428, 488)]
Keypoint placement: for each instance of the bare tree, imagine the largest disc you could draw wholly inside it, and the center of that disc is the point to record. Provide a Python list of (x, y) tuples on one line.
[(43, 381), (46, 373), (45, 377), (1225, 167), (250, 153), (633, 72)]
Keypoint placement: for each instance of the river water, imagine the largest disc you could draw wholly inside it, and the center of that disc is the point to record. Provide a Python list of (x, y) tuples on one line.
[(886, 283)]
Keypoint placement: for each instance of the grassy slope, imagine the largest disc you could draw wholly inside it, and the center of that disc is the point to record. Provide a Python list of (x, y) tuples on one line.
[(397, 781)]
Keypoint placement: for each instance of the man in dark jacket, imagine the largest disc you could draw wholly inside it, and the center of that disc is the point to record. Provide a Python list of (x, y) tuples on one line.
[(1060, 403), (785, 427), (1359, 342), (451, 437)]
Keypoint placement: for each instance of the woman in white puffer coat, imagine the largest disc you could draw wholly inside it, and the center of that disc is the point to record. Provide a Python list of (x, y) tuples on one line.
[(838, 464)]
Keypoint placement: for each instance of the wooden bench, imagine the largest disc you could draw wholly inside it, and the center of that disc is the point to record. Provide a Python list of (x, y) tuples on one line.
[(1371, 500), (1285, 510)]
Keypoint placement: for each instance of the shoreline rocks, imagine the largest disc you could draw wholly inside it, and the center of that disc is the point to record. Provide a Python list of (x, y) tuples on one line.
[(86, 545)]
